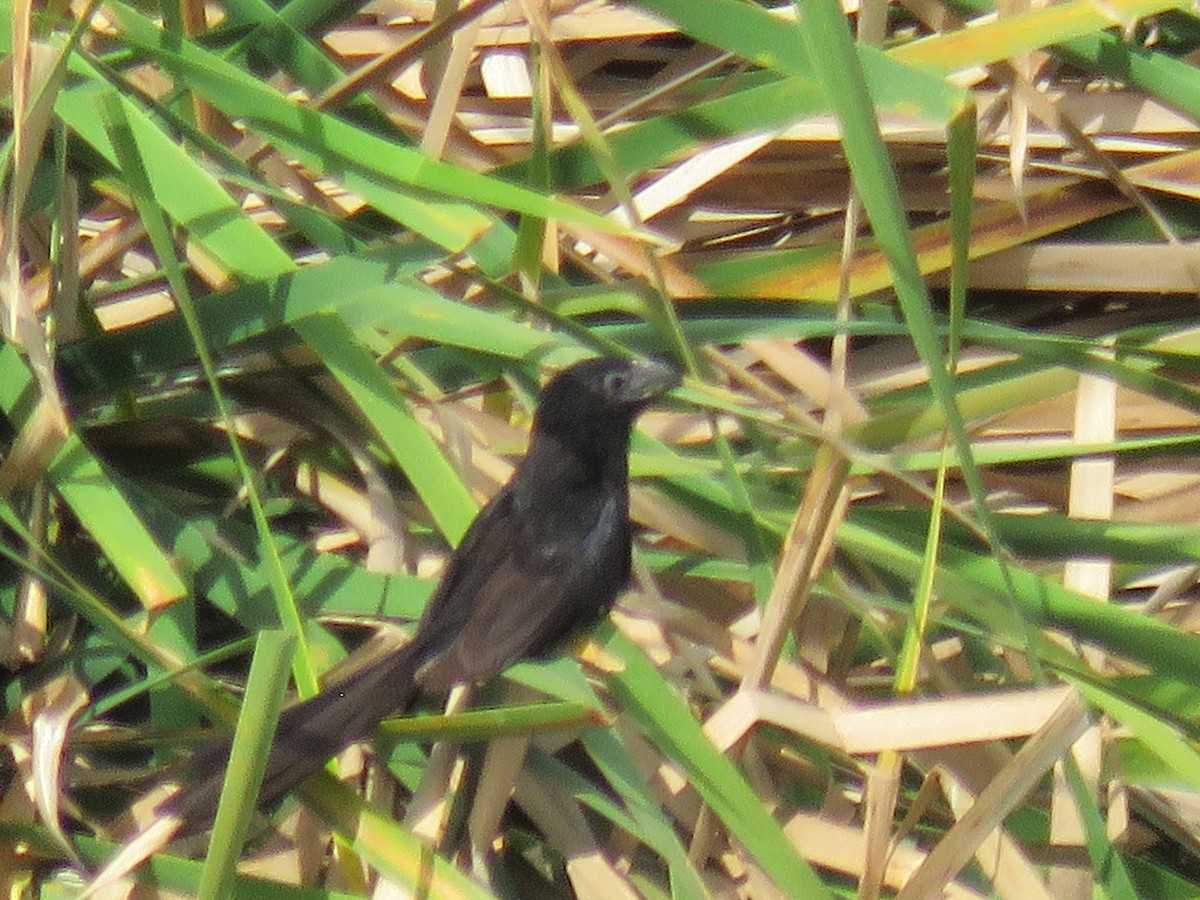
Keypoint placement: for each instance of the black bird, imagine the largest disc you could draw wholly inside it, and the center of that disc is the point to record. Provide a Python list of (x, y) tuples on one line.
[(546, 557)]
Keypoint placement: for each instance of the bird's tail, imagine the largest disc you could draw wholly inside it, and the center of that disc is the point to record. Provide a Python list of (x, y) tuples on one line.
[(309, 734)]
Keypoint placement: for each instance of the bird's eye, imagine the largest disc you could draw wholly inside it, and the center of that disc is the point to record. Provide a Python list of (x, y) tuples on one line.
[(614, 382)]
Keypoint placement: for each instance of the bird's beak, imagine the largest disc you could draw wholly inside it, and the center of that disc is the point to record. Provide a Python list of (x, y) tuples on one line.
[(648, 381)]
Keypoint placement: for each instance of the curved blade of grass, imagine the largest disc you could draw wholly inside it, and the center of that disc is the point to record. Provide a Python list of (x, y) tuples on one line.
[(127, 634), (978, 580), (751, 32), (371, 290), (650, 702), (393, 850), (121, 358), (112, 111), (1052, 536), (189, 195), (1176, 750), (746, 105), (1172, 80), (648, 821), (1021, 32), (172, 873), (417, 454), (96, 500), (329, 145), (326, 584)]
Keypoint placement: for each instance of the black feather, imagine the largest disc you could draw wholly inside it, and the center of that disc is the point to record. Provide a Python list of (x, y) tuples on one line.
[(547, 556)]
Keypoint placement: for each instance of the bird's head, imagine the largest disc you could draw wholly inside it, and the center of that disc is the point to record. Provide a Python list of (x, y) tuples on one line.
[(599, 395)]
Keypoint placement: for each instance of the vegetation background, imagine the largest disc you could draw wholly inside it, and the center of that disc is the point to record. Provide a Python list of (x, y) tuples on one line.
[(916, 597)]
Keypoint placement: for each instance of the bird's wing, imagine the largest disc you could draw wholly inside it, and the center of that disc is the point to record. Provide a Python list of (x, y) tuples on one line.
[(545, 575), (488, 543)]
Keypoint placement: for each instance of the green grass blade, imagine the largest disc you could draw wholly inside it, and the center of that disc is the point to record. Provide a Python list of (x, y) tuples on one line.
[(87, 487), (410, 445), (651, 704), (265, 688)]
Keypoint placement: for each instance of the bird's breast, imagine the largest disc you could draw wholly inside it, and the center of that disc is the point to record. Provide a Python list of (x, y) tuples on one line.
[(583, 531)]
